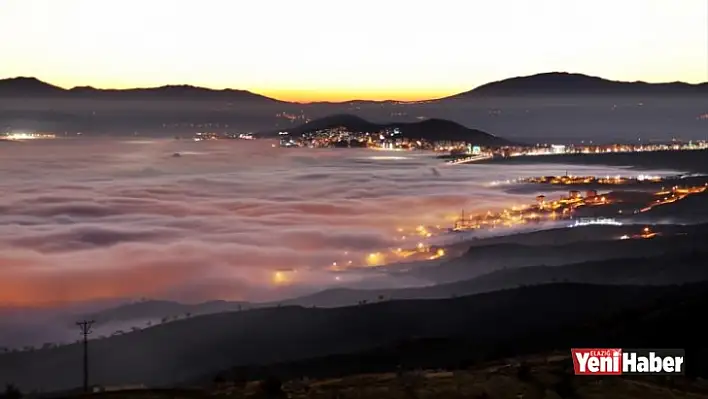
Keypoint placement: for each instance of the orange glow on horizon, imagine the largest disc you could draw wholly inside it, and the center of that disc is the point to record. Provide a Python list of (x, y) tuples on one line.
[(300, 95), (343, 95)]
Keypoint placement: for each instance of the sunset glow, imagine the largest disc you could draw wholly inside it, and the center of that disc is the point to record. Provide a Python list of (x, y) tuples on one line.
[(295, 50)]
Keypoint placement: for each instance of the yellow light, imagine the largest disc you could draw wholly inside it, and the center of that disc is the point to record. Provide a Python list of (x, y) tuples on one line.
[(280, 278), (441, 252), (375, 259)]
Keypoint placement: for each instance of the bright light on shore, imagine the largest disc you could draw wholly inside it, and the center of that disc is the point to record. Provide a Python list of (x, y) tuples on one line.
[(28, 136)]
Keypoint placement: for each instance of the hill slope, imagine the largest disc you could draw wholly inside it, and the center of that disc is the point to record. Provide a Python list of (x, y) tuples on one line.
[(499, 265), (574, 84), (429, 129), (671, 268), (189, 348), (651, 324), (24, 87)]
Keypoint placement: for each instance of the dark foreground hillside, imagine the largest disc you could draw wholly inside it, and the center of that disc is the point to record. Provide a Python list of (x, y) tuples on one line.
[(545, 376), (417, 333), (667, 318)]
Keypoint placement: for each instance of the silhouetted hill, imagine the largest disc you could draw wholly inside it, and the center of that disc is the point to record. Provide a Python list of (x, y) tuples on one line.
[(352, 122), (667, 269), (575, 84), (686, 161), (156, 309), (186, 349), (23, 87), (28, 87), (641, 322), (429, 129), (483, 259)]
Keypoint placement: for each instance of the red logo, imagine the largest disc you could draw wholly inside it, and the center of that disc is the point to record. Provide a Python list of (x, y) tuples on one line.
[(597, 361)]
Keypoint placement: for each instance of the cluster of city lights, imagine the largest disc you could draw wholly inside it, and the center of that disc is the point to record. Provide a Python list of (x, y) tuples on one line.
[(414, 242), (28, 136), (646, 234), (573, 180)]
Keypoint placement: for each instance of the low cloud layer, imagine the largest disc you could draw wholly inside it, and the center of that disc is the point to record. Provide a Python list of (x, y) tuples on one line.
[(105, 218)]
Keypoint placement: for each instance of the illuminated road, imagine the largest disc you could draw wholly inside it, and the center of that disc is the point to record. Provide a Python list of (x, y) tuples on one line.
[(473, 158)]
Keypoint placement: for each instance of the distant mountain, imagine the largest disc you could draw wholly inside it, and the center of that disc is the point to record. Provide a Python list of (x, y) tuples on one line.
[(28, 87), (429, 129), (544, 84), (575, 84), (25, 87)]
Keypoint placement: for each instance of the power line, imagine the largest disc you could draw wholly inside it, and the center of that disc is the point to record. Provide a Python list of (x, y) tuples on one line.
[(85, 327)]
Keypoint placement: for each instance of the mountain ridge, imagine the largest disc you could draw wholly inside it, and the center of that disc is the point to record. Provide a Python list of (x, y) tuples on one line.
[(540, 84), (577, 84), (28, 87)]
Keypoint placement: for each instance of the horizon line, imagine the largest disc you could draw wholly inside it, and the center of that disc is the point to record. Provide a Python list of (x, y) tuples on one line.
[(355, 99)]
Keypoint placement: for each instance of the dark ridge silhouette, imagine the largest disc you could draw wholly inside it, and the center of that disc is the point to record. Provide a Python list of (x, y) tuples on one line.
[(28, 87), (24, 87), (647, 323), (481, 260), (430, 129), (543, 84), (186, 349), (674, 267), (349, 121), (158, 309), (686, 161), (575, 84)]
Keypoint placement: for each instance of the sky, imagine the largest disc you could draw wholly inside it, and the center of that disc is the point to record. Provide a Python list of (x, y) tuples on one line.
[(310, 50)]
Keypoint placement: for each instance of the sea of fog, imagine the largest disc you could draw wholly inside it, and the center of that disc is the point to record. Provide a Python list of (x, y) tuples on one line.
[(89, 223), (96, 219)]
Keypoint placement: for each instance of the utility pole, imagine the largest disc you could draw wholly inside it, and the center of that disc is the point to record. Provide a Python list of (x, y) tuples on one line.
[(85, 327)]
